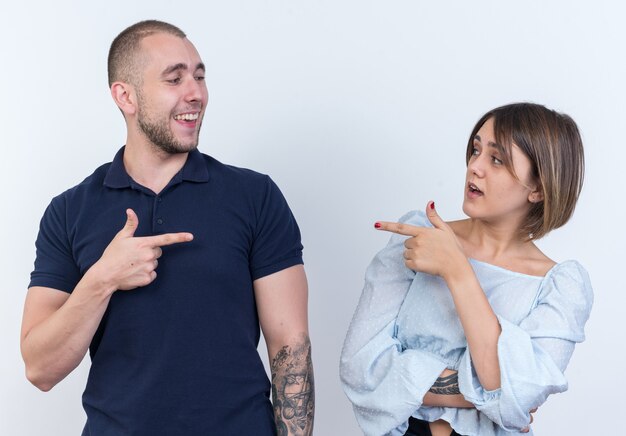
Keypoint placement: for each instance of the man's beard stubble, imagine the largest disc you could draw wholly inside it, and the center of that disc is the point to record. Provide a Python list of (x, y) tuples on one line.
[(160, 134)]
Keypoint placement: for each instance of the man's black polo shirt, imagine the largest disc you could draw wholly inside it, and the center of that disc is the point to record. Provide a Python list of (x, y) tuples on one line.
[(176, 357)]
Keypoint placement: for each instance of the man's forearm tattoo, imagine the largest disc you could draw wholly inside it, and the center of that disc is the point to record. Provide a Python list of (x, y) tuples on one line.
[(293, 392), (448, 385)]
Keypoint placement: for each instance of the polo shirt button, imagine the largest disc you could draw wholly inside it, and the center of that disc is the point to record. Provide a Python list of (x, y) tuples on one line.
[(159, 199), (160, 221)]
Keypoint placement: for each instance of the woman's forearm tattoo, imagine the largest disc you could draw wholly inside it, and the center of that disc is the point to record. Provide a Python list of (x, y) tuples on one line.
[(448, 385), (293, 392)]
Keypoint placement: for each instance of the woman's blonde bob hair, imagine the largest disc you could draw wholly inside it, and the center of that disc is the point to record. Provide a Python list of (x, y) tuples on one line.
[(553, 144)]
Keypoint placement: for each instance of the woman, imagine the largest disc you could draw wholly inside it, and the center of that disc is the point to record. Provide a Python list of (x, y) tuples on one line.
[(466, 327)]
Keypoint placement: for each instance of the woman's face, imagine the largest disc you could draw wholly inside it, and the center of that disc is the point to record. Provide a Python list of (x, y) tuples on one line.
[(491, 191)]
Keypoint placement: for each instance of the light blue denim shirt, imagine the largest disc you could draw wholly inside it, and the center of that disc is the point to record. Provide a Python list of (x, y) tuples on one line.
[(406, 331)]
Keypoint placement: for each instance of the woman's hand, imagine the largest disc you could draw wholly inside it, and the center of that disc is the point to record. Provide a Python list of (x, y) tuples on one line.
[(527, 429), (435, 250)]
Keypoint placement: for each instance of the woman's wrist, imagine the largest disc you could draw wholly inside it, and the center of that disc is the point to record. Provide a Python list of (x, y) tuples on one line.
[(458, 270)]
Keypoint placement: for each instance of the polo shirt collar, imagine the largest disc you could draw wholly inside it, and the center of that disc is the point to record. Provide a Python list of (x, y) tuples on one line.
[(194, 170)]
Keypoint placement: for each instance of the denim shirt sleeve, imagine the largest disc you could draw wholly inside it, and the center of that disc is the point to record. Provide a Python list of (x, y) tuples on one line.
[(533, 355), (385, 382)]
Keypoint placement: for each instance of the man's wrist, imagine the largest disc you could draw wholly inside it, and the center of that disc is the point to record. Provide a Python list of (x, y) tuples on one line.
[(98, 281)]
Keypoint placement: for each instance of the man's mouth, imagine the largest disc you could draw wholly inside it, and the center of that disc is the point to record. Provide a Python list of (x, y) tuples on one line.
[(187, 117)]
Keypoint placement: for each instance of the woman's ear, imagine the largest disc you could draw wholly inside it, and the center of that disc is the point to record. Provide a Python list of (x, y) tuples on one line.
[(536, 195)]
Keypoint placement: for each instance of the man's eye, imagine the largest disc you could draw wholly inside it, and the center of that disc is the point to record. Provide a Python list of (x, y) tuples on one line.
[(174, 81)]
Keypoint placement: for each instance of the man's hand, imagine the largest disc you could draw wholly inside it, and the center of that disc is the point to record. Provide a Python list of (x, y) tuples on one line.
[(429, 250), (58, 327), (129, 262)]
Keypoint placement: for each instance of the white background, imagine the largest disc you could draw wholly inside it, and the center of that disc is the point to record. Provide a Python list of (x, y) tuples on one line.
[(360, 110)]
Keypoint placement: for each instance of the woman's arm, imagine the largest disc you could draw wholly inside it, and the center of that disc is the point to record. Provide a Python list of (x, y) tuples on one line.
[(436, 251), (533, 354), (478, 319), (528, 358), (445, 392), (385, 382)]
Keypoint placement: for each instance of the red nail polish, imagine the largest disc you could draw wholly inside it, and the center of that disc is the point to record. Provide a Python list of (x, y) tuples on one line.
[(377, 225), (432, 205)]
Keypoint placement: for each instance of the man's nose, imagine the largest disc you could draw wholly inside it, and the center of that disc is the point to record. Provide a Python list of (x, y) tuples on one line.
[(196, 91)]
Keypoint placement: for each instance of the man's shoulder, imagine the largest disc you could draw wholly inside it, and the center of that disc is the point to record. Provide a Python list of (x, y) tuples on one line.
[(234, 177), (228, 170), (89, 184)]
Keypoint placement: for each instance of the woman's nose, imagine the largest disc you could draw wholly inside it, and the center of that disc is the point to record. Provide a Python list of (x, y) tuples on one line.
[(476, 166)]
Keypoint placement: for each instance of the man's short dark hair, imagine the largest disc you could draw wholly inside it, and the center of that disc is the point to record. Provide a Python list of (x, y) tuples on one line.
[(124, 55)]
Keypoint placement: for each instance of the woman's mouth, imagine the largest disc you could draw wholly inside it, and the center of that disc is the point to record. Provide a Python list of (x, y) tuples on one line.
[(473, 191)]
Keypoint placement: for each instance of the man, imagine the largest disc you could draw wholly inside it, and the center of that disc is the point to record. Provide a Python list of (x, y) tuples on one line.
[(163, 263)]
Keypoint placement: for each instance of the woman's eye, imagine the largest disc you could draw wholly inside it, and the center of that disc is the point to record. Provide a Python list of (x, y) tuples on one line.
[(199, 78), (496, 160), (475, 151)]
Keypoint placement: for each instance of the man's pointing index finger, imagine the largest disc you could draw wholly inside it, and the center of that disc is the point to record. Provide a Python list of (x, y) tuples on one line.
[(168, 239)]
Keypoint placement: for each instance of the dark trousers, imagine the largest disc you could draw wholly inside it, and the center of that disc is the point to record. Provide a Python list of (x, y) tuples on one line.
[(417, 427)]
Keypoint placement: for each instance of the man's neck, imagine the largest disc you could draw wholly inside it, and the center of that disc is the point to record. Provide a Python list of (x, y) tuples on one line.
[(151, 167)]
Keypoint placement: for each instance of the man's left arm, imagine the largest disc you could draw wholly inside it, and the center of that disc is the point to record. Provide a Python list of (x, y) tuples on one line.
[(282, 307)]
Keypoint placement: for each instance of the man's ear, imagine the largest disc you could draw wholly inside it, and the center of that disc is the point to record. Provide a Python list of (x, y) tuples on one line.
[(124, 97)]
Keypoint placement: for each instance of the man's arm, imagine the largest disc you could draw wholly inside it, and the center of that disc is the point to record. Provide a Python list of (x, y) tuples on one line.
[(58, 327), (282, 306)]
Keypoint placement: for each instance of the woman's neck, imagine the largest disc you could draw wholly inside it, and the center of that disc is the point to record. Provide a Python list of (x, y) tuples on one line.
[(491, 240), (501, 246)]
